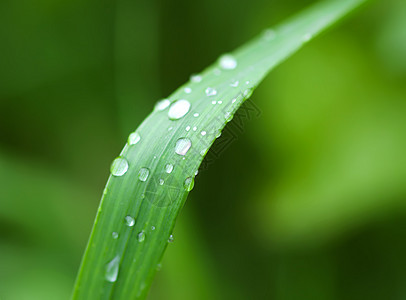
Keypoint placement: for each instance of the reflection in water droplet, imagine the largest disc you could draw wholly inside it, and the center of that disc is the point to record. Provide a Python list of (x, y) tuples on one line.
[(182, 146), (114, 235), (189, 184), (119, 166), (178, 109), (143, 174), (210, 91), (161, 105), (133, 138), (228, 62), (170, 239), (129, 221), (141, 236), (112, 269), (168, 168), (195, 78)]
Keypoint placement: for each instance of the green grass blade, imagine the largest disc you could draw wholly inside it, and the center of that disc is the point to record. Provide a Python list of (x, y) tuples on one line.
[(155, 172)]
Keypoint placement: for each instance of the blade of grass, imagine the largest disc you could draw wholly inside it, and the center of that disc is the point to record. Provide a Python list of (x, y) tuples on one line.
[(155, 171)]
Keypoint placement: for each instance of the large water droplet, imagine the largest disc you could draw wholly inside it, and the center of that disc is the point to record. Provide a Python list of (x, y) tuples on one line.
[(171, 239), (129, 221), (178, 109), (141, 236), (195, 78), (143, 174), (134, 138), (189, 184), (112, 269), (161, 105), (119, 166), (114, 235), (168, 168), (210, 92), (228, 62), (182, 146)]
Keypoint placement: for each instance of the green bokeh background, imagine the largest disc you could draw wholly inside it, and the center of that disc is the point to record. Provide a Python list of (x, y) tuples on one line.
[(309, 202)]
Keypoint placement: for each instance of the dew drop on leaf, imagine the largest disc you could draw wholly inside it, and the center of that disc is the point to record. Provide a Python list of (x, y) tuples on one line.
[(133, 138), (114, 235), (235, 83), (112, 269), (119, 166), (189, 184), (210, 92), (168, 168), (143, 174), (161, 105), (187, 90), (203, 133), (195, 78), (129, 221), (161, 181), (171, 239), (141, 236), (178, 109), (227, 62), (182, 146)]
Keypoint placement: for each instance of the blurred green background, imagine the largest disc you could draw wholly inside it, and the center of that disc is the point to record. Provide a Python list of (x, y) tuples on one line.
[(308, 203)]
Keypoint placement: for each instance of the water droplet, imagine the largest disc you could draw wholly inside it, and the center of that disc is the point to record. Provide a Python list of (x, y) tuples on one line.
[(220, 102), (161, 181), (152, 227), (197, 172), (228, 62), (178, 109), (170, 128), (182, 146), (195, 78), (218, 134), (194, 128), (235, 83), (112, 269), (161, 105), (159, 267), (203, 133), (129, 221), (143, 174), (119, 166), (228, 116), (133, 138), (233, 101), (189, 184), (195, 115), (269, 34), (247, 93), (247, 82), (168, 168), (187, 128), (210, 92), (141, 236), (188, 90), (203, 152), (114, 235), (171, 239), (213, 102)]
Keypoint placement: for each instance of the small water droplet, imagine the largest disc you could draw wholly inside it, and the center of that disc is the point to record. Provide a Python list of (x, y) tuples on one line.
[(210, 91), (119, 166), (143, 174), (213, 102), (247, 93), (235, 83), (141, 236), (178, 109), (152, 227), (182, 146), (161, 181), (142, 196), (187, 128), (194, 128), (112, 269), (195, 78), (133, 138), (189, 184), (228, 116), (247, 82), (188, 90), (168, 168), (161, 105), (220, 102), (159, 267), (171, 239), (197, 172), (307, 37), (228, 62), (203, 133), (233, 101), (269, 34), (203, 152), (129, 221), (218, 134), (195, 115), (170, 128), (114, 235)]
